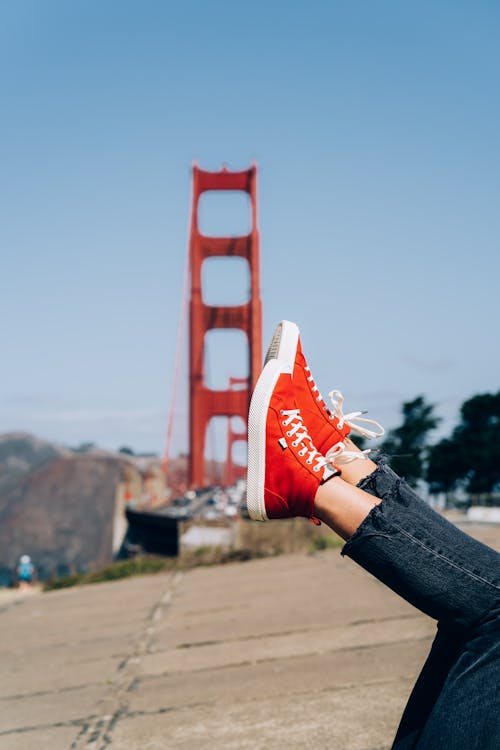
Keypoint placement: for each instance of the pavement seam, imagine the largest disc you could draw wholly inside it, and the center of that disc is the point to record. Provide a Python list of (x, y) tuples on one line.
[(58, 691), (295, 631), (295, 694), (54, 725), (268, 659)]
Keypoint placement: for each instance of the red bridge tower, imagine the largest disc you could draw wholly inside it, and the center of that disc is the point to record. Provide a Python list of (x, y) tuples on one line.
[(206, 403)]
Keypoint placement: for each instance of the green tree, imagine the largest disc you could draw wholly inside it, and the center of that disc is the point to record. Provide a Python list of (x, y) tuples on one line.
[(83, 448), (443, 467), (126, 450), (472, 454), (406, 445)]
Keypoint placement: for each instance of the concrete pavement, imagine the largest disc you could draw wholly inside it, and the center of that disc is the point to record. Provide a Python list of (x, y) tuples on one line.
[(292, 652)]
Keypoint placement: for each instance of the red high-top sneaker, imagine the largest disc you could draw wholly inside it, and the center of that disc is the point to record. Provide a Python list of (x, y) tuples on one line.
[(328, 427), (284, 468)]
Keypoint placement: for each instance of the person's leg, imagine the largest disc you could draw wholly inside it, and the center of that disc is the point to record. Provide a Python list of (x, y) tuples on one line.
[(446, 574), (446, 647), (457, 692), (342, 506), (433, 701), (390, 532), (466, 713), (424, 696), (413, 550)]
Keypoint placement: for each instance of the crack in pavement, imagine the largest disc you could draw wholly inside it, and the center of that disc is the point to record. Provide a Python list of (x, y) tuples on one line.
[(97, 735)]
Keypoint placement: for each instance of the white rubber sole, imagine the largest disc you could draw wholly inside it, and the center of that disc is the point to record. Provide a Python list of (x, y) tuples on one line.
[(257, 417), (283, 344)]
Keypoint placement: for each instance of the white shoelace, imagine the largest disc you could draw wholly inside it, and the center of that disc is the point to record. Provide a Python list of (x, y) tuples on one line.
[(354, 419), (299, 430), (337, 401), (339, 453)]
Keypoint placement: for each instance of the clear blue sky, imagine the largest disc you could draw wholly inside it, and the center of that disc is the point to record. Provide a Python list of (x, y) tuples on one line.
[(375, 126)]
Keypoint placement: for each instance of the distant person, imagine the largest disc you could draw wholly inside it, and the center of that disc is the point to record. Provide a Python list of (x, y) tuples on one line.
[(25, 572), (302, 463)]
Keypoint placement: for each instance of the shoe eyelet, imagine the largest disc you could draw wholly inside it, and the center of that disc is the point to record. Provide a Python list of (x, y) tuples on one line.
[(296, 443), (289, 434), (281, 412), (284, 423), (309, 461), (316, 468)]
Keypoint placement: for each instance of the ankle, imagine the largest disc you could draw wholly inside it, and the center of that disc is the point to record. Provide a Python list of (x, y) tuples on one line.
[(341, 506), (356, 470)]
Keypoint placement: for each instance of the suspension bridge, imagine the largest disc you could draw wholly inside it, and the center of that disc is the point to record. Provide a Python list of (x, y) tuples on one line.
[(154, 526), (206, 403)]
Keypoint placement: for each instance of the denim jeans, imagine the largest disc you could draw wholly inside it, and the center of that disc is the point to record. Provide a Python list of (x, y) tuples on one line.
[(455, 703)]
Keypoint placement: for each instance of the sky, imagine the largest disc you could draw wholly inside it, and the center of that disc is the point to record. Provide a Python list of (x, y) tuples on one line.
[(374, 126)]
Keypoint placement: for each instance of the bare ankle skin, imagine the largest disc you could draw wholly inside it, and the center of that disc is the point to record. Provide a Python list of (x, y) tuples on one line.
[(341, 506), (354, 471)]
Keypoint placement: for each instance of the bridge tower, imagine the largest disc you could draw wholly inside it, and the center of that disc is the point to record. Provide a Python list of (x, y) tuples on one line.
[(232, 471), (206, 403)]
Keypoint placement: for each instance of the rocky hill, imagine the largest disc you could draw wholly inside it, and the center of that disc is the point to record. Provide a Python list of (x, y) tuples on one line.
[(56, 505), (20, 453)]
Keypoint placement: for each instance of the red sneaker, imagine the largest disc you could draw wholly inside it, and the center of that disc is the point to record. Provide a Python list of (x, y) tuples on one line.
[(328, 427), (284, 468)]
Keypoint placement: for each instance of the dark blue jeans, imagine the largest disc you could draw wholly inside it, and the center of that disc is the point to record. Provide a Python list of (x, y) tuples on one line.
[(455, 704)]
